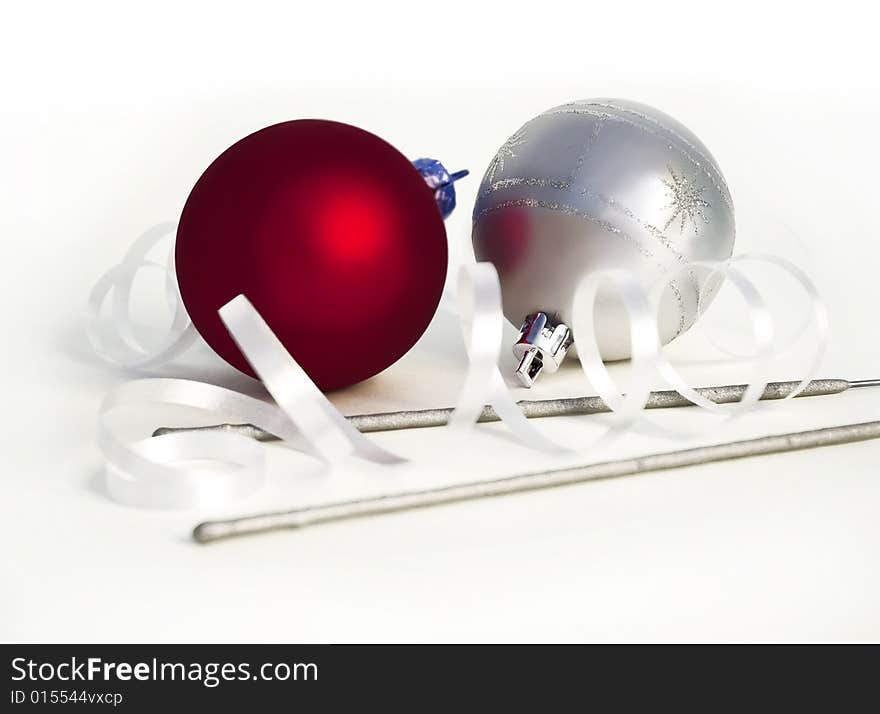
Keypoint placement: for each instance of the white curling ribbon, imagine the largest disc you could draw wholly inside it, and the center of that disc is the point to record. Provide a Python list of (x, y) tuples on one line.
[(817, 317), (114, 339), (324, 430), (481, 320), (644, 343), (481, 317), (154, 473), (763, 331), (766, 349), (482, 325)]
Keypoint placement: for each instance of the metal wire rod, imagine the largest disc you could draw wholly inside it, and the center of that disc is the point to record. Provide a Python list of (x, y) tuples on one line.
[(300, 518), (535, 409)]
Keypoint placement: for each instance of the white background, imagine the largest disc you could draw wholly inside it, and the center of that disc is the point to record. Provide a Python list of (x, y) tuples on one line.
[(110, 111)]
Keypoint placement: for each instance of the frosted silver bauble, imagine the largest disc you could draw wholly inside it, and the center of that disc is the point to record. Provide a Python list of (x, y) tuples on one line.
[(600, 184)]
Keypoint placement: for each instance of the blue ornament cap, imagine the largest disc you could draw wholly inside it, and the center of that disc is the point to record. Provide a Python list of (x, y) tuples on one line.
[(441, 182)]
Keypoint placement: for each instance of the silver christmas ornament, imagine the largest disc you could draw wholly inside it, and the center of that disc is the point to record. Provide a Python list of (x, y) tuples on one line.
[(600, 184)]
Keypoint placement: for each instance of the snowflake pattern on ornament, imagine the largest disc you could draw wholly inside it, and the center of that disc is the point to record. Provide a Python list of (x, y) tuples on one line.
[(686, 201), (505, 152)]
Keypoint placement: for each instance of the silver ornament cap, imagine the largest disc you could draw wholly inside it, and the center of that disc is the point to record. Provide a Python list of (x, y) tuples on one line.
[(542, 345)]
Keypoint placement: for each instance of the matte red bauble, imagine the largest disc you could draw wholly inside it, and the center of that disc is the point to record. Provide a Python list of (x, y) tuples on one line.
[(330, 232)]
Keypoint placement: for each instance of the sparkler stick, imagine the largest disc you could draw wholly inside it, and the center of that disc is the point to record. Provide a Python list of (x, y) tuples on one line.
[(392, 421), (300, 518)]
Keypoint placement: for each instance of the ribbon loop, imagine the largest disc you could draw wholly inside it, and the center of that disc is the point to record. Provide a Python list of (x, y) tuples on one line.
[(114, 339), (158, 472)]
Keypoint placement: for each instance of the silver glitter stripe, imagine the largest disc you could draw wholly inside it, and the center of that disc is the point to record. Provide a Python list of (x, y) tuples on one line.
[(588, 145), (678, 298), (538, 182), (614, 204), (587, 192), (570, 211), (506, 151), (659, 125), (617, 206), (714, 177)]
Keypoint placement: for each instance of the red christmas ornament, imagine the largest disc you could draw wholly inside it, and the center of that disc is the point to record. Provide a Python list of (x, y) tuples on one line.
[(330, 232)]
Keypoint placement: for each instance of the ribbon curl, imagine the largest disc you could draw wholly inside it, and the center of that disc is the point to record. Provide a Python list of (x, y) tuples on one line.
[(157, 473)]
